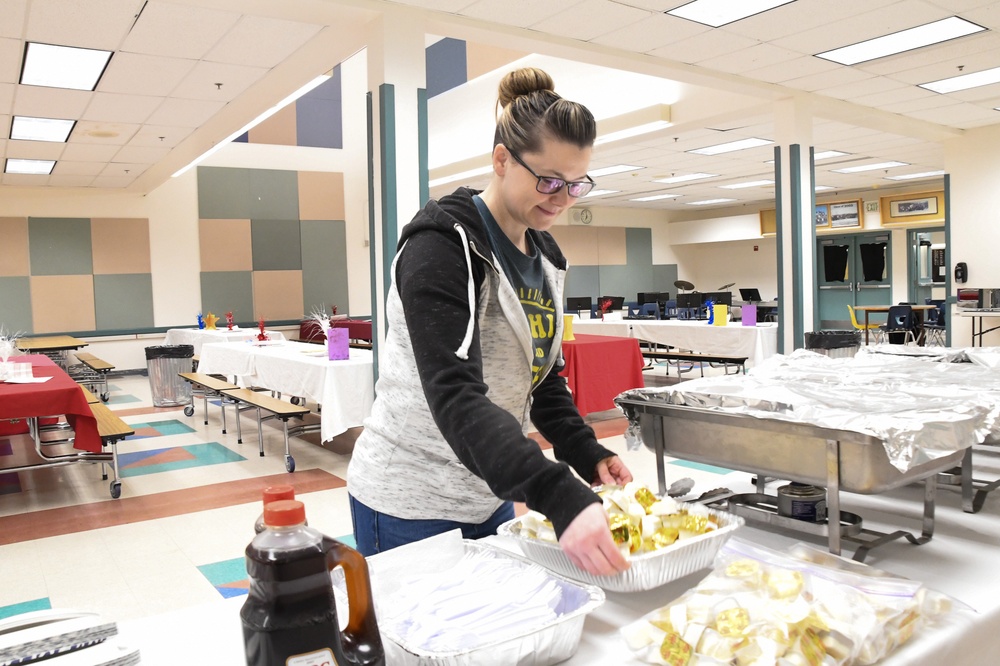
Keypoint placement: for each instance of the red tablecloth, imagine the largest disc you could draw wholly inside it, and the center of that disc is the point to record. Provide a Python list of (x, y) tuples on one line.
[(59, 395), (599, 367), (357, 329)]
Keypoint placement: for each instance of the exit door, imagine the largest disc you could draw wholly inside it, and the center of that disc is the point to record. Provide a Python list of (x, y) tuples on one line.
[(854, 269)]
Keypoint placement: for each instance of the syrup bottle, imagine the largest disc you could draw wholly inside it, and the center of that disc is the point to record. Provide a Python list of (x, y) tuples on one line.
[(273, 494), (290, 616)]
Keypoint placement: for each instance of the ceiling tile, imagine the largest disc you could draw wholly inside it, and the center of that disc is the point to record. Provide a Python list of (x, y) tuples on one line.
[(591, 19), (137, 74), (67, 168), (185, 112), (956, 114), (797, 16), (113, 182), (6, 96), (56, 180), (49, 102), (451, 6), (651, 33), (11, 51), (179, 31), (160, 135), (141, 154), (516, 12), (655, 5), (924, 103), (123, 169), (946, 69), (832, 78), (24, 180), (94, 24), (792, 69), (893, 96), (954, 50), (706, 46), (109, 134), (87, 152), (35, 150), (201, 82), (855, 89), (261, 42), (13, 13), (754, 57), (118, 108), (4, 130)]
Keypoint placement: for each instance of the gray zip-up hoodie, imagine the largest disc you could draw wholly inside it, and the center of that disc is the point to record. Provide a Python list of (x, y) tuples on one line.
[(446, 437)]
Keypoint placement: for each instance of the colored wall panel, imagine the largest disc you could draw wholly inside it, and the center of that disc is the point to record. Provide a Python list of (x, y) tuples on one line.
[(583, 281), (63, 303), (14, 246), (320, 123), (225, 291), (321, 195), (123, 301), (664, 276), (276, 245), (223, 193), (324, 265), (274, 195), (580, 245), (60, 246), (279, 129), (277, 295), (15, 305), (225, 245), (482, 59), (121, 245), (446, 65), (611, 246)]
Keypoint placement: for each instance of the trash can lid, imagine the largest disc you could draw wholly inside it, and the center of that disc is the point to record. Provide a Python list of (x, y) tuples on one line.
[(832, 339), (170, 351)]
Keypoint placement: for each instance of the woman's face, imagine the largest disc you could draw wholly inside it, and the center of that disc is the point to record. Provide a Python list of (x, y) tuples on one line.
[(526, 206)]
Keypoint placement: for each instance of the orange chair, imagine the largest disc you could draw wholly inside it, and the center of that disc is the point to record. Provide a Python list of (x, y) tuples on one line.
[(863, 327)]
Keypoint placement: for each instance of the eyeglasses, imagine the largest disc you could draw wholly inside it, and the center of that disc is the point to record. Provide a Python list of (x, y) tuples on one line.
[(551, 184)]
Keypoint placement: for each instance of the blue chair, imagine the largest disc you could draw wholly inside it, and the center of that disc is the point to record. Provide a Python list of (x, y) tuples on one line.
[(900, 323), (634, 309), (650, 309), (935, 325), (670, 310)]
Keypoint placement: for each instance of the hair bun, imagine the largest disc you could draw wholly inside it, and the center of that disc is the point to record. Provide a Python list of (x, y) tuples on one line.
[(522, 82)]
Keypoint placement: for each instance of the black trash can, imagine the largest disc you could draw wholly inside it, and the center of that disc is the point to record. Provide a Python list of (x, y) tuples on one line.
[(835, 344), (164, 363)]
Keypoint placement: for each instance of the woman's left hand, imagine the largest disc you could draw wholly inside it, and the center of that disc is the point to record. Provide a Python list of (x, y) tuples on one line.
[(612, 471)]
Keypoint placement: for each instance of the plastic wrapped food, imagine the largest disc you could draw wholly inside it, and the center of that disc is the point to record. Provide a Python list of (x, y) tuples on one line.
[(801, 609)]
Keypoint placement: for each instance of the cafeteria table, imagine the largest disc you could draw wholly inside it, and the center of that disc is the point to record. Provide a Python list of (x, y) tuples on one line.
[(56, 395), (345, 389), (599, 367), (978, 315), (196, 337), (53, 346)]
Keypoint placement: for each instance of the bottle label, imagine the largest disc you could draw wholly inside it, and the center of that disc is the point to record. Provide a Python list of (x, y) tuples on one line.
[(322, 657)]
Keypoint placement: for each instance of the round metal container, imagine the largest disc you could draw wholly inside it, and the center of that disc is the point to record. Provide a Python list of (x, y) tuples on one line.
[(803, 502)]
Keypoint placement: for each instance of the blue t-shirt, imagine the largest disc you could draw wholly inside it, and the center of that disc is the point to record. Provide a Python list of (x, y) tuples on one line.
[(527, 275)]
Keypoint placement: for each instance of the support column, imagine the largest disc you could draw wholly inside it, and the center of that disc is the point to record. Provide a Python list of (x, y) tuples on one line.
[(397, 144), (796, 231)]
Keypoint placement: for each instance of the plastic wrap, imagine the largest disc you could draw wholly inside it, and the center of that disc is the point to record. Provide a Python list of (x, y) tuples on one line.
[(920, 410), (804, 607)]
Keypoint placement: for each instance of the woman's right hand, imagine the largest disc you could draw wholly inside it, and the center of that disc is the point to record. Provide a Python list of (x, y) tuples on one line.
[(588, 544)]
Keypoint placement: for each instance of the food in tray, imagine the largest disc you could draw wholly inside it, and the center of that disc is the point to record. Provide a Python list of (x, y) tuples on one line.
[(640, 522), (762, 607)]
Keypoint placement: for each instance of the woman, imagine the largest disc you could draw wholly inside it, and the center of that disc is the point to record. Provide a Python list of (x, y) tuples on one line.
[(472, 352)]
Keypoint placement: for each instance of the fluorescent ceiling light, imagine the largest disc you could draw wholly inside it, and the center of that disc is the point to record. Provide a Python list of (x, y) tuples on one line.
[(742, 144), (633, 123), (964, 82), (597, 193), (748, 183), (34, 167), (911, 176), (656, 197), (315, 83), (708, 201), (25, 128), (471, 173), (611, 170), (870, 167), (685, 178), (827, 154), (904, 40), (822, 188), (63, 66), (721, 12)]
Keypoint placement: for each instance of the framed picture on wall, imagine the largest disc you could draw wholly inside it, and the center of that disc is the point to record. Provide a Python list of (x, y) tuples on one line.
[(821, 216), (907, 208), (768, 222), (844, 214)]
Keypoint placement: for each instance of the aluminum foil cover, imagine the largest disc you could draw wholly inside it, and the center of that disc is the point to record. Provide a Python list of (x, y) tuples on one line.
[(535, 645), (922, 407)]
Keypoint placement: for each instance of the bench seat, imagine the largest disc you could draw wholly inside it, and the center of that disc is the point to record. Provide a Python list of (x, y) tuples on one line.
[(112, 430), (92, 371), (278, 409), (696, 357), (208, 386)]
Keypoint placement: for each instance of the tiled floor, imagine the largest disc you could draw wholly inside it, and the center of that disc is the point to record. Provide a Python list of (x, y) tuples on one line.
[(190, 496)]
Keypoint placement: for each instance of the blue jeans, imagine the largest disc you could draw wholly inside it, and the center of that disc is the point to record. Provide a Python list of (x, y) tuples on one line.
[(375, 532)]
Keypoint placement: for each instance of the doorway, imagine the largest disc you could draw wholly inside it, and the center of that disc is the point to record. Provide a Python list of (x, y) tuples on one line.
[(927, 272), (853, 269)]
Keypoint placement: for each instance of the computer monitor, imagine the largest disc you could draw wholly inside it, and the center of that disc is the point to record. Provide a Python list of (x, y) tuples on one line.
[(617, 302), (578, 303), (751, 295)]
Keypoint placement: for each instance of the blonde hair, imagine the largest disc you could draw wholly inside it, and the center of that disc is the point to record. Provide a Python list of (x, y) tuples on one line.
[(532, 111)]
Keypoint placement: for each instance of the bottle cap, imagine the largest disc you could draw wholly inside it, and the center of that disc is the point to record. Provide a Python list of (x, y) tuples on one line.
[(275, 493), (282, 513)]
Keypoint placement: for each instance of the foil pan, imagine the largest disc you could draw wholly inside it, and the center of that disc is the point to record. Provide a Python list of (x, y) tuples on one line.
[(538, 645), (648, 570)]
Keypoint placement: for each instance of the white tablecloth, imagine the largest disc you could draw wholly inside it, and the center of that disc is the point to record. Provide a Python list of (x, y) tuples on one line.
[(345, 389), (757, 343), (196, 337)]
